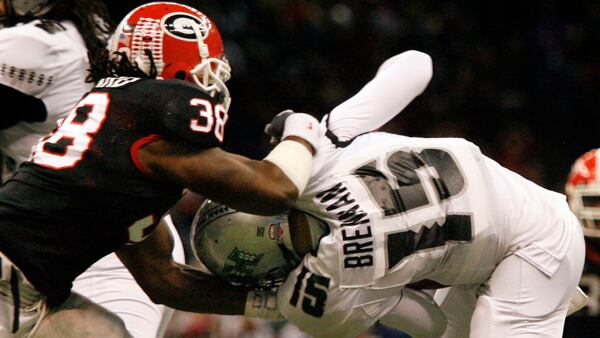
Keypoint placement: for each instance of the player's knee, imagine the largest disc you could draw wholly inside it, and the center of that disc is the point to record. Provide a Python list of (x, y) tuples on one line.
[(116, 329), (429, 324), (432, 326), (102, 321), (82, 323), (438, 326)]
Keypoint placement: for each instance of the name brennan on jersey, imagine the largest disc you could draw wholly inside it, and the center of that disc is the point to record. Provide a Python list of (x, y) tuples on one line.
[(358, 242)]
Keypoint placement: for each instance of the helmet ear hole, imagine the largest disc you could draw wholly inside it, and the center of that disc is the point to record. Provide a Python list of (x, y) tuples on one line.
[(180, 75)]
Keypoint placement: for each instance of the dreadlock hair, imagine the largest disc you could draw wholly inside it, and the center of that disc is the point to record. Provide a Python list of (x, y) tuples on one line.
[(93, 21), (120, 65), (91, 18)]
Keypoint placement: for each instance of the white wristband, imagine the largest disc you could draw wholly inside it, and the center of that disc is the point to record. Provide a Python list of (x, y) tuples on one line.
[(262, 304), (295, 160), (304, 126)]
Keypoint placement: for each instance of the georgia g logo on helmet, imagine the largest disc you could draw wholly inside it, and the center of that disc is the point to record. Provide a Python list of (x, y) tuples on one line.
[(181, 26)]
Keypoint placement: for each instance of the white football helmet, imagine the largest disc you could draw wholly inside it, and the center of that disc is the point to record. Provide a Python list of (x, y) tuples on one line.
[(242, 248)]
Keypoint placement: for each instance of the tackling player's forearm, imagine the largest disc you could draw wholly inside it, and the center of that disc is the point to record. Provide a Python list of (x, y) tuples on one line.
[(194, 291), (259, 187), (188, 289), (266, 187), (177, 285)]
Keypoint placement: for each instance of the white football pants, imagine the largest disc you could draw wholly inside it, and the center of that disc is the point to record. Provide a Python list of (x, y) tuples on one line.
[(517, 301)]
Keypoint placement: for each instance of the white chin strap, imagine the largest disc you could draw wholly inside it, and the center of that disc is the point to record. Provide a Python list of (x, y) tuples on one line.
[(317, 230), (286, 239)]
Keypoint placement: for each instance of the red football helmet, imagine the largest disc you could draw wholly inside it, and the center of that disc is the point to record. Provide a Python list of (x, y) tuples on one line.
[(583, 190), (184, 43)]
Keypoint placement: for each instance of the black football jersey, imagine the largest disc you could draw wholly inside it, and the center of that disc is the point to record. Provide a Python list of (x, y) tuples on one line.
[(77, 198)]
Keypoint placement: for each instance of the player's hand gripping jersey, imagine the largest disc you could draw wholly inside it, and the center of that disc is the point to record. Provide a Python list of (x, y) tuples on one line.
[(403, 210), (91, 161)]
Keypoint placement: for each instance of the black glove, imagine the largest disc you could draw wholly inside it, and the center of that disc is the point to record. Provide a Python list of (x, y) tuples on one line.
[(275, 129)]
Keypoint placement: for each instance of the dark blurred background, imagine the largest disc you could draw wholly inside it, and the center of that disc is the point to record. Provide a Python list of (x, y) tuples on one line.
[(520, 79)]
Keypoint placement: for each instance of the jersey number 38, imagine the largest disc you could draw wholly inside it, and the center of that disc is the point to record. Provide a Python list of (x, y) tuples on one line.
[(69, 142)]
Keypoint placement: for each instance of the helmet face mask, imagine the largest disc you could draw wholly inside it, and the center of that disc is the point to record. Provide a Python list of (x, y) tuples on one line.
[(178, 41), (585, 203), (211, 76), (583, 191), (244, 249)]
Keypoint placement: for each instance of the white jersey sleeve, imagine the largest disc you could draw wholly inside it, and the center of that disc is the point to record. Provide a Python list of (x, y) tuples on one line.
[(398, 81), (51, 66), (19, 66)]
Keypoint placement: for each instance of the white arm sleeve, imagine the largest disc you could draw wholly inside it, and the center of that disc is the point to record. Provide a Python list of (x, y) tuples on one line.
[(398, 81)]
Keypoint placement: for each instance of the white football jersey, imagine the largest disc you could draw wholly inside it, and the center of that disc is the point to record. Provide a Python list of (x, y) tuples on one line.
[(53, 69), (401, 210), (404, 209)]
